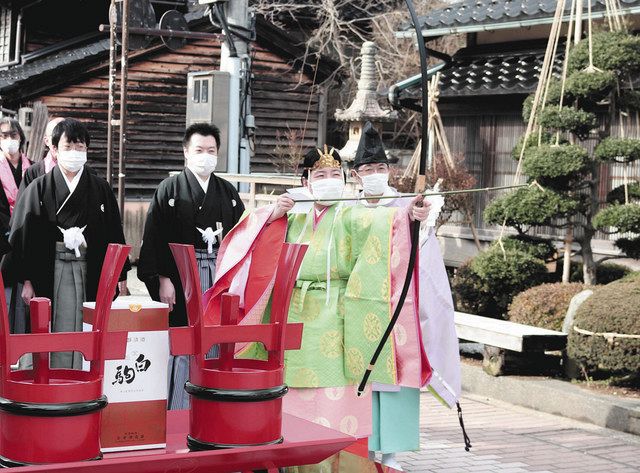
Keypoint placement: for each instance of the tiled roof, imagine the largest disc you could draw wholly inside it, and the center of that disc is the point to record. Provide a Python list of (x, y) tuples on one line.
[(59, 64), (13, 76), (479, 71), (486, 14)]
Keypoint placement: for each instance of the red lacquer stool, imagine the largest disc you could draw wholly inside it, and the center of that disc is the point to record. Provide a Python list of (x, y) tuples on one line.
[(53, 415), (236, 402)]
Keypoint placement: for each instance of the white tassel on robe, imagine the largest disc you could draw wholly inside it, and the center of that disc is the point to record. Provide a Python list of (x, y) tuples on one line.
[(74, 239)]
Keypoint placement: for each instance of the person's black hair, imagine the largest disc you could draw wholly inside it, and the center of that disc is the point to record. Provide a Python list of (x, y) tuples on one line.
[(204, 129), (14, 125), (312, 156), (74, 130)]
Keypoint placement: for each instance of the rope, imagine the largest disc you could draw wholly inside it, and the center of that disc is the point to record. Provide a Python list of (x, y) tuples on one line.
[(609, 336), (313, 83), (435, 129), (539, 97)]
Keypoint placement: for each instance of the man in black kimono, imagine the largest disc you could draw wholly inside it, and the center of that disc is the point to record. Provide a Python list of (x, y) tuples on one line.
[(40, 168), (60, 230), (195, 207)]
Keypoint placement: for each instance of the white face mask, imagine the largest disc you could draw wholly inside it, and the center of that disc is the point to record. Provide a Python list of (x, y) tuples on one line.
[(375, 184), (326, 190), (10, 146), (202, 164), (72, 160)]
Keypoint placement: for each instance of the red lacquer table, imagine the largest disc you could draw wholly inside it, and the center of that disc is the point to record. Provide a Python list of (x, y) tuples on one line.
[(305, 443)]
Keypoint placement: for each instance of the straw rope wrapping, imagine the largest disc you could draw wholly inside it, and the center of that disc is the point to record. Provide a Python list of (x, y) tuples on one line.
[(609, 336), (539, 98)]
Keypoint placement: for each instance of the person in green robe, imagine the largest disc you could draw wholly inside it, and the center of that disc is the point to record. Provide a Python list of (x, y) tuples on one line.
[(343, 296)]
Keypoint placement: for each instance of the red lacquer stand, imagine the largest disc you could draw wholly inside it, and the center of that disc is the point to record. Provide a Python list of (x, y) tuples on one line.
[(304, 443), (53, 415), (235, 402)]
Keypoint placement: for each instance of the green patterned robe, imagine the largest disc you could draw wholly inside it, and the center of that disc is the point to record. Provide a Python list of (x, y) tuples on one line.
[(340, 334)]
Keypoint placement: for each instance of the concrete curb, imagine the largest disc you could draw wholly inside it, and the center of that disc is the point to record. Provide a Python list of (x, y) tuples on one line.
[(555, 397)]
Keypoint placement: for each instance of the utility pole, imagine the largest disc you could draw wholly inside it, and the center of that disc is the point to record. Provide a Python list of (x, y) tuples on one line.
[(235, 60), (237, 13)]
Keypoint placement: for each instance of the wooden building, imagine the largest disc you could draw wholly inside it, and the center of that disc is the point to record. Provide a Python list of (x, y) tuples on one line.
[(69, 74), (52, 52), (482, 91)]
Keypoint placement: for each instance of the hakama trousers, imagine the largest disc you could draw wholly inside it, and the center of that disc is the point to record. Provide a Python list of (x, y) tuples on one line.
[(70, 274), (179, 365)]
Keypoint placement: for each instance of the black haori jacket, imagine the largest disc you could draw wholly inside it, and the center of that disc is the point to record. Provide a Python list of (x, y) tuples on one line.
[(34, 228), (180, 205)]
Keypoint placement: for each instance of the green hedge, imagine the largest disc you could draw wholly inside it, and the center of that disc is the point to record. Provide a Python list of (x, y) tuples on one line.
[(618, 149), (553, 98), (614, 308), (488, 284), (605, 272), (543, 306), (590, 86), (578, 122), (622, 218), (540, 248), (612, 51), (629, 246), (629, 99), (555, 165), (529, 206), (534, 139), (470, 295), (616, 195)]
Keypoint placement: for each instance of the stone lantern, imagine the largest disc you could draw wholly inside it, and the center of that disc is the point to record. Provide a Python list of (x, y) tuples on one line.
[(365, 106)]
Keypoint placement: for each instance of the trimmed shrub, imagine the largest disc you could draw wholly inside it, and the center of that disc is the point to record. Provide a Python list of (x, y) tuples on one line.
[(629, 246), (612, 51), (543, 306), (621, 218), (529, 206), (614, 308), (622, 150), (553, 98), (537, 247), (555, 166), (616, 195), (469, 293), (629, 99), (533, 141), (605, 273), (590, 86), (577, 122), (487, 284)]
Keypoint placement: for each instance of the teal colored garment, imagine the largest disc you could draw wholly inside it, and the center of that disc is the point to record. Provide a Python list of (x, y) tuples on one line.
[(396, 421)]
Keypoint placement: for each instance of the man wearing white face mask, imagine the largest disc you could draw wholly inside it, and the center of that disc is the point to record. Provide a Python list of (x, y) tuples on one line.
[(60, 230), (195, 207), (396, 410), (13, 165)]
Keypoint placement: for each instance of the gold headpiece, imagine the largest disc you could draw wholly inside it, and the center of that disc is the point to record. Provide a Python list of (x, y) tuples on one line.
[(326, 159)]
